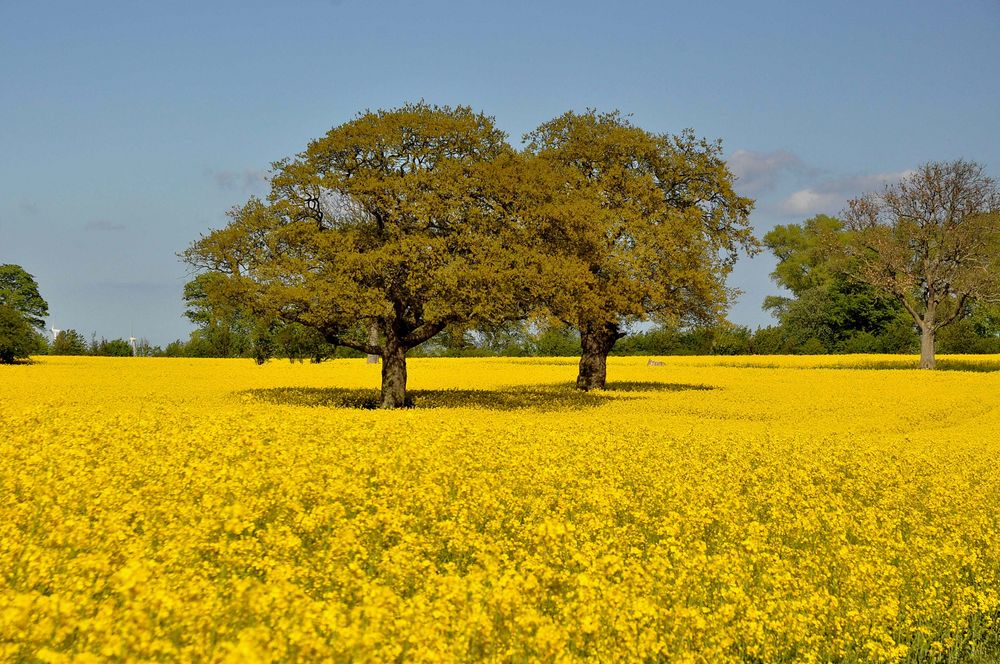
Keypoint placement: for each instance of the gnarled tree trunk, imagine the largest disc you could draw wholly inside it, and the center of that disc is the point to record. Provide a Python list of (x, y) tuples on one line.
[(927, 347), (393, 373), (597, 341)]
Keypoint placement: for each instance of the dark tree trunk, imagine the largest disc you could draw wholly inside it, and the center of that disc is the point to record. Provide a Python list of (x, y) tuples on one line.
[(393, 373), (597, 341), (927, 347)]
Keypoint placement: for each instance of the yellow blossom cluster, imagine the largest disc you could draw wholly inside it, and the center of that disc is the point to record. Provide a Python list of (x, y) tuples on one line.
[(708, 510)]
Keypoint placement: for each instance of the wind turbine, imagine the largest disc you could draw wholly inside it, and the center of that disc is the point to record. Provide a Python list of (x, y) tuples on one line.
[(55, 333), (131, 340)]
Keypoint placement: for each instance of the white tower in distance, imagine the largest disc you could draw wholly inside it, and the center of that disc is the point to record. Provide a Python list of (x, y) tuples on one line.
[(131, 340)]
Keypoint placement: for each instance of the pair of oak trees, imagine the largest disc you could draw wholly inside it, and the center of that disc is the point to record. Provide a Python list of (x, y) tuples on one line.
[(402, 222)]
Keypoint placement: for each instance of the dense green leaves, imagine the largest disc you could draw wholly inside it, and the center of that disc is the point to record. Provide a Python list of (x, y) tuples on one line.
[(19, 291), (22, 313), (828, 309), (69, 342), (17, 338)]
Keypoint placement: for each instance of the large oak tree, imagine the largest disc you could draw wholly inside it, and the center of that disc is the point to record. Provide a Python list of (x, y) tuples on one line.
[(382, 233), (641, 226), (933, 242)]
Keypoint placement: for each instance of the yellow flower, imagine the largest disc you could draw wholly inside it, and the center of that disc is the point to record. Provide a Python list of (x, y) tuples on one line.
[(707, 510)]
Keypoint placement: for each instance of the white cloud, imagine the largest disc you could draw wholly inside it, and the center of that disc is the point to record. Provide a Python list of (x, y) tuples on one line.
[(831, 196), (809, 201), (758, 172)]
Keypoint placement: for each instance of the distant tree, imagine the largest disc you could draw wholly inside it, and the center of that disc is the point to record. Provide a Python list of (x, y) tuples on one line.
[(558, 340), (176, 348), (510, 338), (293, 341), (17, 338), (826, 303), (22, 313), (111, 348), (731, 339), (225, 329), (145, 349), (69, 342), (19, 291), (641, 226), (398, 219), (772, 340), (932, 241)]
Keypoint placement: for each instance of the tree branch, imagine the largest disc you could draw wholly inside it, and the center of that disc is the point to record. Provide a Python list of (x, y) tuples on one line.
[(360, 347), (957, 314), (424, 332), (909, 308)]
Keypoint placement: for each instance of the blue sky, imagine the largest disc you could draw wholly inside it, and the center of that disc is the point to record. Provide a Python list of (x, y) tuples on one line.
[(128, 128)]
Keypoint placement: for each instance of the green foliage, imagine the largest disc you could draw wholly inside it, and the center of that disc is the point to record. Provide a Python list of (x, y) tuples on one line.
[(225, 329), (556, 341), (17, 337), (641, 225), (111, 348), (381, 234), (510, 338), (828, 312), (773, 340), (69, 342), (810, 255), (293, 341), (974, 335), (811, 346), (19, 291)]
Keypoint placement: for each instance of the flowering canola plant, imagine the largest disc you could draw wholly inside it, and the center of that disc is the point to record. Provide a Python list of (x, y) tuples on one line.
[(709, 510)]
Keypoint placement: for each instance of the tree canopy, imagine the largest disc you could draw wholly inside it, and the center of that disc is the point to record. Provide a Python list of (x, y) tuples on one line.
[(17, 338), (19, 291), (642, 226), (22, 313), (382, 233)]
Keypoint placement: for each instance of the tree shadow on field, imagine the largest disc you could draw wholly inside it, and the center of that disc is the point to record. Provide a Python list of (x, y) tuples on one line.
[(562, 396), (653, 386), (944, 364)]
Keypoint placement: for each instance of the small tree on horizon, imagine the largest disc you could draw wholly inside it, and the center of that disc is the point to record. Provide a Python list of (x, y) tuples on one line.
[(69, 342)]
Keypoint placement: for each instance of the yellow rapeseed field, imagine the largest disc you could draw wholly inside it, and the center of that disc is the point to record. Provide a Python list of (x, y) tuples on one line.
[(710, 510)]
